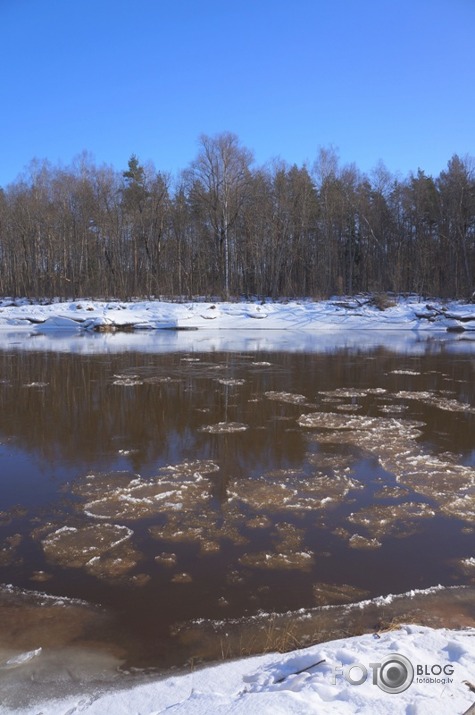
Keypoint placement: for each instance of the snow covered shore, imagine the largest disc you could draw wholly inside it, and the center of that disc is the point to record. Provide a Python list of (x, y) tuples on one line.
[(413, 670), (335, 315)]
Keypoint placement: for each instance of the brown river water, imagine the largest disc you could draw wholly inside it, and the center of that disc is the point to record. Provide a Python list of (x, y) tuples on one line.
[(175, 506)]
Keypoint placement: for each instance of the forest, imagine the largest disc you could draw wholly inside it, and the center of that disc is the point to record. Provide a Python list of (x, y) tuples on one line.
[(226, 228)]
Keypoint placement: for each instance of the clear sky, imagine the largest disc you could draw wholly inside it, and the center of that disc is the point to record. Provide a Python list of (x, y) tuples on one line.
[(377, 79)]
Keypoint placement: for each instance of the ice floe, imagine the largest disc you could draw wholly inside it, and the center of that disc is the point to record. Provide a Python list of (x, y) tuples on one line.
[(224, 428), (101, 549), (283, 490), (331, 593), (289, 397), (435, 400), (401, 519), (287, 553), (357, 541), (232, 382), (395, 443)]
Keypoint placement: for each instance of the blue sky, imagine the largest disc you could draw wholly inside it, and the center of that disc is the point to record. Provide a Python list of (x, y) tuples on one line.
[(377, 79)]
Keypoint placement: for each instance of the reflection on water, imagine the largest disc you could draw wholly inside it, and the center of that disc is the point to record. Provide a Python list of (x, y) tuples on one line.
[(176, 487)]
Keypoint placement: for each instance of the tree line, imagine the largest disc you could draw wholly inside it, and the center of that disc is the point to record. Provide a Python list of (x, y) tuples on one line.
[(228, 228)]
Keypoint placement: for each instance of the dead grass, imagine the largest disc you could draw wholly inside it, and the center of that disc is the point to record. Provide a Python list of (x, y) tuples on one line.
[(387, 625), (276, 636), (383, 301)]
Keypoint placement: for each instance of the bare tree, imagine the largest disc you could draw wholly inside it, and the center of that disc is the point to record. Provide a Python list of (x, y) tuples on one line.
[(218, 179)]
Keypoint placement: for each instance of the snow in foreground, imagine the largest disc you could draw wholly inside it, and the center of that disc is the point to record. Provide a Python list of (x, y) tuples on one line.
[(320, 679)]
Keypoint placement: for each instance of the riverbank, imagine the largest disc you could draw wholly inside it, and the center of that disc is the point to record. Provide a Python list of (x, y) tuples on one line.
[(411, 669), (364, 312)]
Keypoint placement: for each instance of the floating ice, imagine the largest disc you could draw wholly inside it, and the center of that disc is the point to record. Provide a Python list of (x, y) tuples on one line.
[(258, 522), (327, 460), (356, 541), (288, 553), (290, 397), (166, 558), (345, 407), (462, 507), (193, 468), (101, 549), (158, 380), (352, 392), (393, 409), (467, 567), (390, 492), (123, 495), (292, 489), (203, 525), (404, 372), (436, 400), (9, 550), (301, 560), (233, 382), (331, 593), (392, 520), (182, 578), (127, 380), (225, 427), (394, 442)]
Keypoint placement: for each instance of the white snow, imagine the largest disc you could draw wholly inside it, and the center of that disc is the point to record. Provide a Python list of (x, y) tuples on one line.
[(333, 314), (319, 679)]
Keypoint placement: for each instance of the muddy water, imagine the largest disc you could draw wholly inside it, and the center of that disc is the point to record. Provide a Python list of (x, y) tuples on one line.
[(181, 489)]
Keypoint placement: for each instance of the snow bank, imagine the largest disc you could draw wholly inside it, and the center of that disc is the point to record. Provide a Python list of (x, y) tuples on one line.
[(334, 314), (412, 670)]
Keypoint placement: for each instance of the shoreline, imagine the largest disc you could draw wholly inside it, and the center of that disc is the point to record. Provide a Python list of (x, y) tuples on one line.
[(73, 675), (335, 314)]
